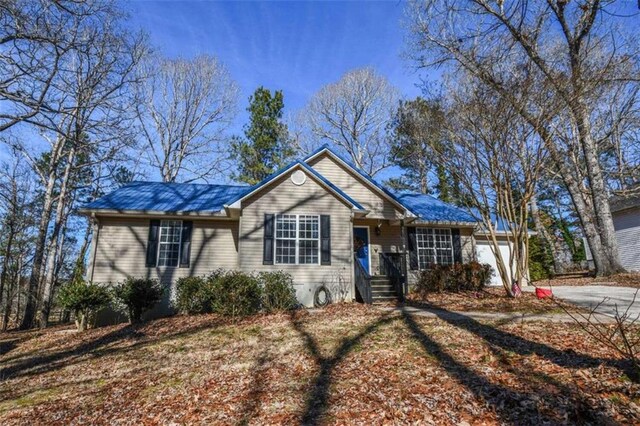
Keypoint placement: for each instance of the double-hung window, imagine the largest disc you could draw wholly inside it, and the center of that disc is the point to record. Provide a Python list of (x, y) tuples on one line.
[(169, 244), (297, 239), (434, 246)]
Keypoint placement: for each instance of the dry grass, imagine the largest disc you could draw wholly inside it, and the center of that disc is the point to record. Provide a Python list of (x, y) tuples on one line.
[(345, 364)]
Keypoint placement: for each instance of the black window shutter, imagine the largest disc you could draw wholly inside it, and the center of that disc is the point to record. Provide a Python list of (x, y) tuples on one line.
[(325, 239), (267, 251), (457, 246), (413, 248), (185, 244), (152, 243)]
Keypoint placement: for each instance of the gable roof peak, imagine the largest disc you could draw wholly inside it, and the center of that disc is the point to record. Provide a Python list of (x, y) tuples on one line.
[(368, 179)]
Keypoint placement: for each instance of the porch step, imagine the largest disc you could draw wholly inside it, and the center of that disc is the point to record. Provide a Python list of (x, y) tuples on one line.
[(382, 289), (382, 286), (378, 299)]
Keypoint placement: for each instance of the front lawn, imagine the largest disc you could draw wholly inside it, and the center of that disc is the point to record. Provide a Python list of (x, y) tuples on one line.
[(345, 364)]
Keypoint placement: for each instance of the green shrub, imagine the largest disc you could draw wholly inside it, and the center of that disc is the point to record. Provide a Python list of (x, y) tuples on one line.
[(138, 295), (472, 276), (278, 293), (194, 295), (83, 299), (236, 294), (538, 272), (540, 259)]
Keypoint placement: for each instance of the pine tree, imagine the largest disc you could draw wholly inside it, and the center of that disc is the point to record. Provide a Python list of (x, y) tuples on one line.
[(266, 146)]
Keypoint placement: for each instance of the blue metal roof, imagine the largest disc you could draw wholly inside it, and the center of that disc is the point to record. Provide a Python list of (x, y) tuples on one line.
[(187, 197), (499, 223), (168, 197), (430, 209)]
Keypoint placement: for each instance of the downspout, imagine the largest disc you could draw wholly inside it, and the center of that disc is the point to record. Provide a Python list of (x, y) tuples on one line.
[(403, 235), (94, 244), (352, 271)]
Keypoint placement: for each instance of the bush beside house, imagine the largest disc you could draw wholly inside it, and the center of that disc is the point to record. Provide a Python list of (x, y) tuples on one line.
[(278, 292), (137, 295), (235, 293), (472, 276), (84, 300)]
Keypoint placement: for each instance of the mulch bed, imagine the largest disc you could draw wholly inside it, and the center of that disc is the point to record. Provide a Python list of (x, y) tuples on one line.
[(347, 364), (621, 280), (491, 299)]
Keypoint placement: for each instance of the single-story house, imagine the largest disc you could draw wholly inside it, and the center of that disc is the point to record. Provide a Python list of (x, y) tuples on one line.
[(321, 219), (626, 221)]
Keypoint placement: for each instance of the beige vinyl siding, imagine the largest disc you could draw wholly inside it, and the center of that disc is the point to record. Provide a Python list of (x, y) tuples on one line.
[(283, 197), (122, 247), (371, 200), (468, 245), (627, 225)]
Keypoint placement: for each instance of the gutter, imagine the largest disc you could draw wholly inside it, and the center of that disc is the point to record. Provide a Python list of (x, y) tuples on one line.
[(219, 214), (94, 245), (416, 221)]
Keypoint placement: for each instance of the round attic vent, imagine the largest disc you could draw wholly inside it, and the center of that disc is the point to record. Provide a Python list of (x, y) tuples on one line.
[(298, 177)]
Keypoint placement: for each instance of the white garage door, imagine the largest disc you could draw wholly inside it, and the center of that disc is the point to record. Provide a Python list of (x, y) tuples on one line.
[(485, 255)]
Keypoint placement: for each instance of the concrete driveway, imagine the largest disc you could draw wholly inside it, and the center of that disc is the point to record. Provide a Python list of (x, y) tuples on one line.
[(590, 296)]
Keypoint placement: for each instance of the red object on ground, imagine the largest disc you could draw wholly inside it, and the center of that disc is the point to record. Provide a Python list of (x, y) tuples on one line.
[(543, 293)]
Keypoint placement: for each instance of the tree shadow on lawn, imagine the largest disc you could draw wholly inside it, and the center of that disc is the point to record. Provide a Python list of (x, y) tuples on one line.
[(510, 404), (318, 397), (514, 343), (507, 403), (259, 384), (104, 345)]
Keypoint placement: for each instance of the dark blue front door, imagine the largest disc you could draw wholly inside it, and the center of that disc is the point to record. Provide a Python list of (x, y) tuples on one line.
[(361, 246)]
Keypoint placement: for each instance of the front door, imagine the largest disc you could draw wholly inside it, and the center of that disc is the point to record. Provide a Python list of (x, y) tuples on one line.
[(361, 246)]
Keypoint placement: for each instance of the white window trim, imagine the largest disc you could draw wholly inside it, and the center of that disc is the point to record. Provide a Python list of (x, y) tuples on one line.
[(368, 243), (297, 239), (434, 249), (160, 244)]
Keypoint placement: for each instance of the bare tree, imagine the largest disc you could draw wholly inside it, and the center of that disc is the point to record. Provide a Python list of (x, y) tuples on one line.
[(186, 107), (617, 126), (15, 222), (576, 53), (35, 38), (354, 114), (90, 120), (497, 163)]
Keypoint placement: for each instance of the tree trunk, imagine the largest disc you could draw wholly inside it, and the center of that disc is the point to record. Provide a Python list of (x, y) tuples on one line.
[(5, 271), (13, 292), (581, 203), (79, 268), (41, 239), (38, 258), (45, 307), (602, 210), (81, 321)]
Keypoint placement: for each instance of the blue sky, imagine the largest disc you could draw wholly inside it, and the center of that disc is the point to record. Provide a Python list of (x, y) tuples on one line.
[(294, 46)]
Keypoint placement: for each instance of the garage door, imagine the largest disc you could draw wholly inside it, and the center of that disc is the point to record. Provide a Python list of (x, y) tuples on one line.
[(485, 255)]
